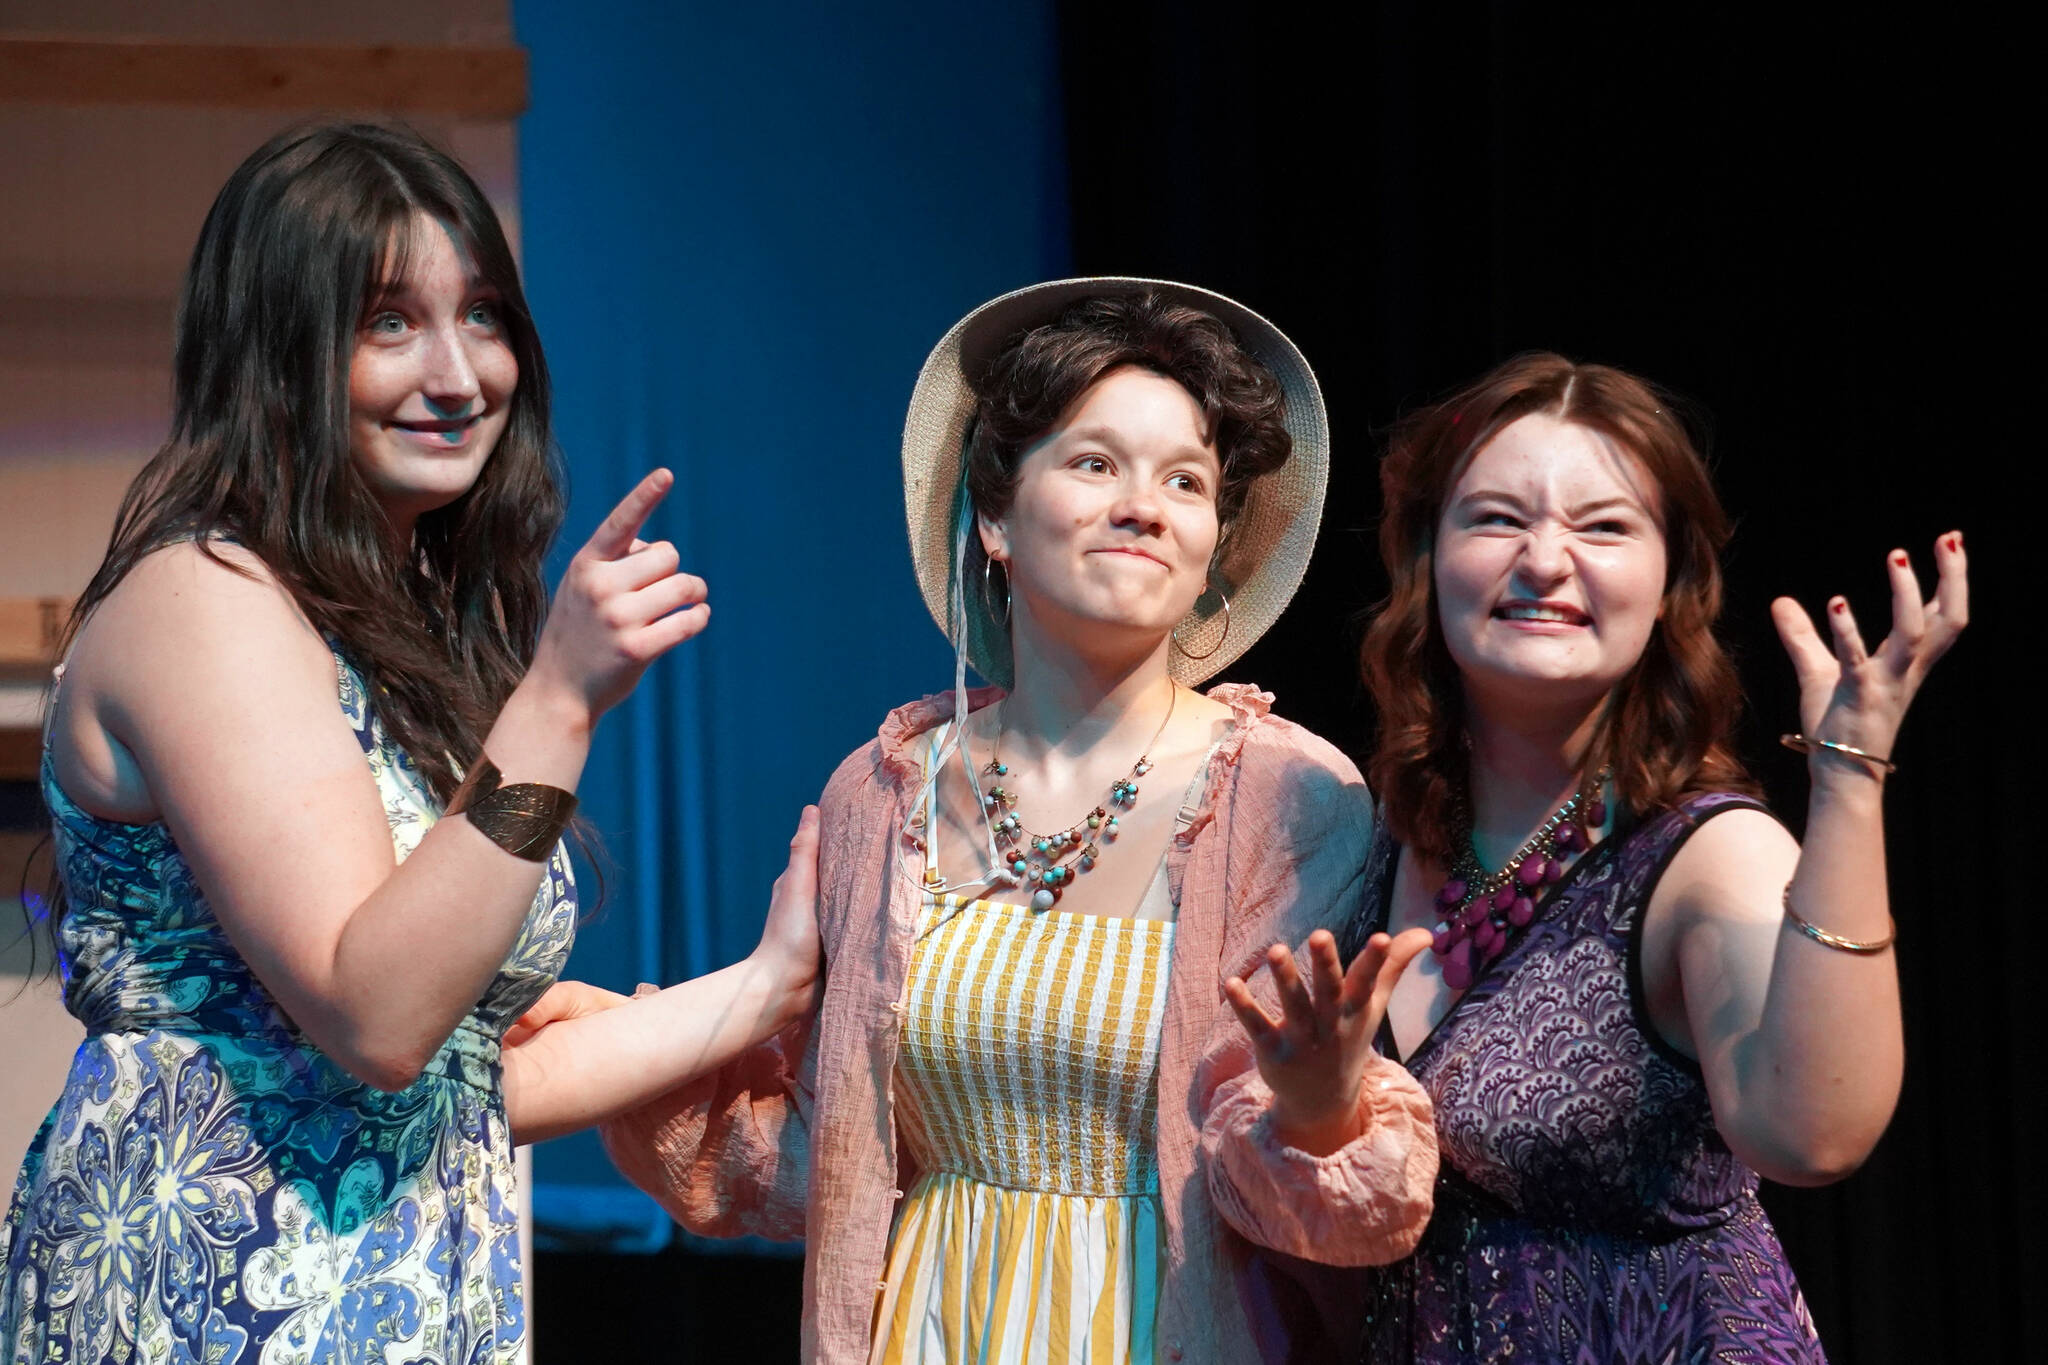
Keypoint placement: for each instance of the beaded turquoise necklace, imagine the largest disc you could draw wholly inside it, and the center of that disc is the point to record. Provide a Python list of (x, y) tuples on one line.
[(1049, 863)]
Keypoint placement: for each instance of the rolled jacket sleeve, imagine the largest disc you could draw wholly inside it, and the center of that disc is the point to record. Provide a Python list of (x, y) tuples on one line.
[(1364, 1204), (728, 1155)]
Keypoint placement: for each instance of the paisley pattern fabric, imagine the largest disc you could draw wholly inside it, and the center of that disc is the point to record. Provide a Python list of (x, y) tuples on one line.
[(1586, 1211), (210, 1187)]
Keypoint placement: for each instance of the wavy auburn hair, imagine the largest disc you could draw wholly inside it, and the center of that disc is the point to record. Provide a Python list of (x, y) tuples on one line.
[(300, 243), (1667, 727)]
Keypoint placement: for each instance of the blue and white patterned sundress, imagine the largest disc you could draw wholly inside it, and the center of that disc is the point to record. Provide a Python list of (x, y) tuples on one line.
[(211, 1187)]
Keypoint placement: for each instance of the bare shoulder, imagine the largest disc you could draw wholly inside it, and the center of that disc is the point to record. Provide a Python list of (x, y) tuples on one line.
[(1732, 866), (184, 614), (188, 646), (1204, 712), (222, 589), (1720, 889)]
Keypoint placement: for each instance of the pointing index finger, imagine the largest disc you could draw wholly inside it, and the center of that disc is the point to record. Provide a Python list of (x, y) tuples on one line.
[(614, 536)]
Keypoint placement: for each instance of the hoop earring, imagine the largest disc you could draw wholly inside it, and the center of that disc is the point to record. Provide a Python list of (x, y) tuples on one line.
[(1219, 644), (988, 592)]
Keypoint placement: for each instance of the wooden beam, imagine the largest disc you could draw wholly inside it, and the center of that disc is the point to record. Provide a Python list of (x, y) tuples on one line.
[(21, 757), (29, 630), (468, 82)]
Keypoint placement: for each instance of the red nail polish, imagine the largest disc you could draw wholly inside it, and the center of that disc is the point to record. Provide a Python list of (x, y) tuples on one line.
[(1899, 560), (1955, 542), (1841, 607)]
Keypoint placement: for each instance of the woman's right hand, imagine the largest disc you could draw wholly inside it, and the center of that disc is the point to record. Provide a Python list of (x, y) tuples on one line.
[(620, 606), (790, 948), (563, 1000), (1314, 1056)]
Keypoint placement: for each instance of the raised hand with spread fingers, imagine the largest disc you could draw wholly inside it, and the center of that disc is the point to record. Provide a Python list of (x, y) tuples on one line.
[(1851, 698), (1771, 961), (1313, 1057)]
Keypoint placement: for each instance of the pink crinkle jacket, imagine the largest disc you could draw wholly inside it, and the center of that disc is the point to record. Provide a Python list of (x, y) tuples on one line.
[(799, 1137)]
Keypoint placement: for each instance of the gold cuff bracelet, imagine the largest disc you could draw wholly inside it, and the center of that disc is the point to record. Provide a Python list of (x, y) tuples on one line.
[(525, 819)]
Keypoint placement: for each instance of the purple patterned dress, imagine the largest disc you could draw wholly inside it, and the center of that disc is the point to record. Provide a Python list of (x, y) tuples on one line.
[(1587, 1210)]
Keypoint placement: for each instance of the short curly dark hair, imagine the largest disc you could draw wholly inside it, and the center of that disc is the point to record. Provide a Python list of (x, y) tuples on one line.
[(1038, 374)]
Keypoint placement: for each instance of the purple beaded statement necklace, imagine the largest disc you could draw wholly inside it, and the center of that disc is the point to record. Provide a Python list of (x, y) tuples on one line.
[(1050, 862), (1477, 909)]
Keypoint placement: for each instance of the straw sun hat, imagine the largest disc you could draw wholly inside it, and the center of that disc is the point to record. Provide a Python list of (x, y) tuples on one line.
[(1270, 541)]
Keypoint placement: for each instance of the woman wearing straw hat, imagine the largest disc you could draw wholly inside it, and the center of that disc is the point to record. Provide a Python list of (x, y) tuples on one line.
[(995, 1132)]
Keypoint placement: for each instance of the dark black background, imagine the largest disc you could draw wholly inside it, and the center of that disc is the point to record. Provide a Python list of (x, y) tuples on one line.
[(1804, 225)]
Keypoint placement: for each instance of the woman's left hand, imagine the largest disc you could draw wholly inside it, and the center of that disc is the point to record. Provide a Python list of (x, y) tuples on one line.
[(1858, 697), (1313, 1057), (790, 948)]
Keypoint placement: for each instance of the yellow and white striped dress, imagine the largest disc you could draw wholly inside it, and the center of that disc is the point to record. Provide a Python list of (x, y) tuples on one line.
[(1026, 1088)]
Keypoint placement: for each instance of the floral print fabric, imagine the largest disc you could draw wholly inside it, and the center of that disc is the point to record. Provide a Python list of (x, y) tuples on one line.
[(210, 1187)]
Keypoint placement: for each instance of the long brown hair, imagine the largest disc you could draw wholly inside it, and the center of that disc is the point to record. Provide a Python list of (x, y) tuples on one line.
[(303, 237), (1667, 727)]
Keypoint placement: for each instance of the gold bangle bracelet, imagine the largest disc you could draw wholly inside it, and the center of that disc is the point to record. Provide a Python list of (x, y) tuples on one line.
[(525, 819), (1807, 744), (1836, 941)]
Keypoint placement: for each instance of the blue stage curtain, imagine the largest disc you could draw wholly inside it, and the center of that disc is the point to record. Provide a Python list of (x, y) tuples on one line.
[(743, 227)]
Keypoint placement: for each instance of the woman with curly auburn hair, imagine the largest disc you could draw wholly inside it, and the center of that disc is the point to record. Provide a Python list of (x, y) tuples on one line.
[(1638, 992), (994, 1134)]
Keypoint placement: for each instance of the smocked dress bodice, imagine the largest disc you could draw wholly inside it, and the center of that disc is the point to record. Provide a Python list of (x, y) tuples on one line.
[(1027, 1092)]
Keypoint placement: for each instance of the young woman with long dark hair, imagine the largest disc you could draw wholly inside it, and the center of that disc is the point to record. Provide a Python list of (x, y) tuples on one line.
[(1640, 992), (320, 629)]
